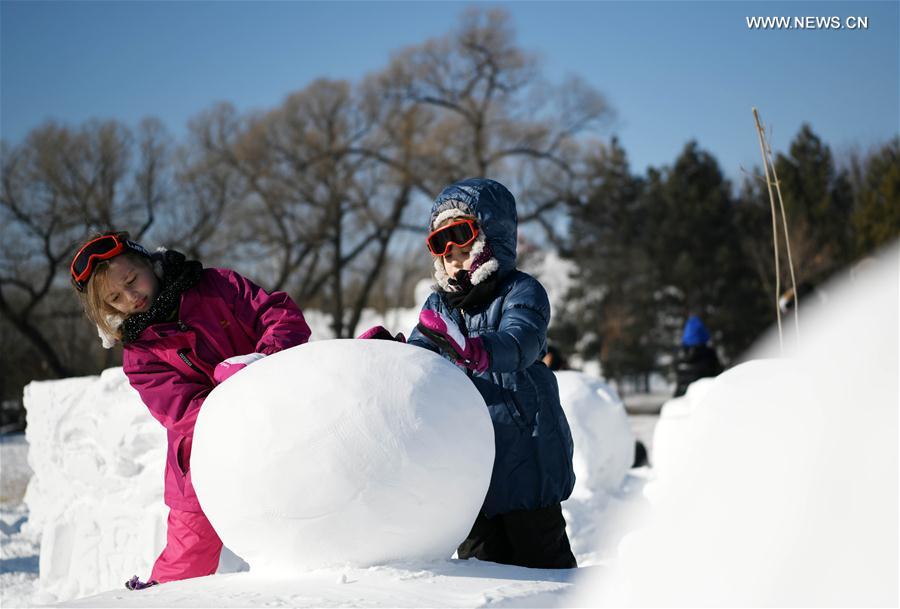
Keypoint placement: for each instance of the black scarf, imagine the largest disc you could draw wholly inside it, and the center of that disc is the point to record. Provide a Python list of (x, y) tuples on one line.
[(179, 274), (469, 296)]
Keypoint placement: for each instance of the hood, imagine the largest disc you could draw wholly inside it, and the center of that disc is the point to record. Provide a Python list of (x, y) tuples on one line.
[(695, 333), (495, 209)]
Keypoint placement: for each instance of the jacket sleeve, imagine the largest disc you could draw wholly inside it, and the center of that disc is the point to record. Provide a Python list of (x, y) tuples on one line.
[(522, 332), (171, 396), (273, 317)]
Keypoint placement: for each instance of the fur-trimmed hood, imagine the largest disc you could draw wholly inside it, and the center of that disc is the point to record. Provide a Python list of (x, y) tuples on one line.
[(494, 207)]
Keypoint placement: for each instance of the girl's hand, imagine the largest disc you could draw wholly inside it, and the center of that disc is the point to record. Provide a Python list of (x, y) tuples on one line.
[(446, 335), (380, 332), (234, 364)]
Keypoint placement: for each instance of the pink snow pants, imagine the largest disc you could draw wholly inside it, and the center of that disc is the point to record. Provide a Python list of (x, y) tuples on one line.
[(192, 548)]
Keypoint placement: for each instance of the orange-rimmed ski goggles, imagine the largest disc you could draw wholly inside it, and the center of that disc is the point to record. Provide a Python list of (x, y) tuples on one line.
[(460, 234), (96, 250)]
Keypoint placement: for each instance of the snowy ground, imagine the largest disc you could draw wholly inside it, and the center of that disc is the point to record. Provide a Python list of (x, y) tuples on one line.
[(451, 583), (18, 554), (447, 583)]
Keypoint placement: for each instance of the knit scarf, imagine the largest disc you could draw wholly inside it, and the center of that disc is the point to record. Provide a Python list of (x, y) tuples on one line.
[(468, 296), (178, 275)]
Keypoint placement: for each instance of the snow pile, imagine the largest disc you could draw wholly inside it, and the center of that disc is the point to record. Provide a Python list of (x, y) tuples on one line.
[(670, 436), (343, 451), (783, 487), (95, 498), (604, 444), (604, 452)]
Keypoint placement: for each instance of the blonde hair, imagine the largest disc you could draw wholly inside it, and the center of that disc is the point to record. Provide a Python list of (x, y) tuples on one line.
[(107, 319)]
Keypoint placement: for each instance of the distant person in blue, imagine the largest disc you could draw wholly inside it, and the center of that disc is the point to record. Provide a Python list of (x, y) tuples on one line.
[(696, 359), (491, 320)]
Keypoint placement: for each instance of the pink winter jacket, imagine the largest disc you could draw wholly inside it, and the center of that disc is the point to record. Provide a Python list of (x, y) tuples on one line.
[(171, 364)]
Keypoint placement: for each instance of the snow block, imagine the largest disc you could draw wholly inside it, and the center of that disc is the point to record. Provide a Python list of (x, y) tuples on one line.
[(95, 498), (343, 451)]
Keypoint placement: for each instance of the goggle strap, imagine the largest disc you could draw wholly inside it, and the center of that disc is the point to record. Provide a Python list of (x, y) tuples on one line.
[(140, 249), (89, 264)]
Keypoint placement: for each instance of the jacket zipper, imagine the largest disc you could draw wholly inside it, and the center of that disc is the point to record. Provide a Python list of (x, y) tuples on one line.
[(182, 353)]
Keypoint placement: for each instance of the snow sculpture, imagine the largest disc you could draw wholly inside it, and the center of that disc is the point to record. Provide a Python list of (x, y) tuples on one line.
[(343, 451), (95, 498)]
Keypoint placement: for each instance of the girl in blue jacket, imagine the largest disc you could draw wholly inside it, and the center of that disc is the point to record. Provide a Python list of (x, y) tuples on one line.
[(491, 319)]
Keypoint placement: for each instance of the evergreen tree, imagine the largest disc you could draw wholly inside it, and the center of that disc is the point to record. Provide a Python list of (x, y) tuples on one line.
[(615, 314), (876, 214), (693, 238), (818, 202)]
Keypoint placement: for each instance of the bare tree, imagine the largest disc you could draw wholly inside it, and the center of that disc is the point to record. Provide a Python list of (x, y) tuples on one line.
[(329, 178), (312, 194), (491, 115), (312, 203), (203, 189), (57, 186)]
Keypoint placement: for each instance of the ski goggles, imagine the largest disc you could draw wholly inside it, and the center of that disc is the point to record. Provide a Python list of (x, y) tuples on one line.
[(460, 234), (97, 250)]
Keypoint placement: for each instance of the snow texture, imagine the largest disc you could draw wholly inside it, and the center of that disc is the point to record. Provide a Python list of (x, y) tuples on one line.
[(18, 552), (445, 583), (95, 500), (670, 439), (343, 452)]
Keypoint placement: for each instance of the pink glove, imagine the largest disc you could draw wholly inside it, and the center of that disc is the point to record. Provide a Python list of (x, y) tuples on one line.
[(234, 364), (380, 332), (446, 335)]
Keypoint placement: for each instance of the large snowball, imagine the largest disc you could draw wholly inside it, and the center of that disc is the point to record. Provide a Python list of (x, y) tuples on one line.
[(343, 451)]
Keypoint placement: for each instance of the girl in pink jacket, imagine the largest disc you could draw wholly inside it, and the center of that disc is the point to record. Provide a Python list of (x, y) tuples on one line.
[(185, 329)]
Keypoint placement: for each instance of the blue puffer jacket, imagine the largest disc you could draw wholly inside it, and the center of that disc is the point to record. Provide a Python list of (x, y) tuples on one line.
[(533, 464)]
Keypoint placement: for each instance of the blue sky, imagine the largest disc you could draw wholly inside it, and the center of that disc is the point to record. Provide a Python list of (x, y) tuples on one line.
[(674, 71)]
